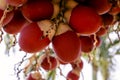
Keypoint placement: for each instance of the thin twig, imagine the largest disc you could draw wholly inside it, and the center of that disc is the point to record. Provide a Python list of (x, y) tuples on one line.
[(61, 72), (1, 33), (17, 66)]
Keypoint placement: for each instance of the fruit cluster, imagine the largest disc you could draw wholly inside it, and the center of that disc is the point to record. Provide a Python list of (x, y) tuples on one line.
[(72, 27)]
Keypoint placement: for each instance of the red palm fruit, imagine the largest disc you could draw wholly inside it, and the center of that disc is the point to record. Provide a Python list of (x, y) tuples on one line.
[(5, 19), (37, 10), (48, 63), (9, 16), (85, 20), (34, 75), (101, 32), (77, 64), (86, 44), (16, 24), (96, 40), (16, 2), (66, 44), (107, 19), (101, 6), (34, 37), (73, 75), (114, 10), (1, 13), (61, 62)]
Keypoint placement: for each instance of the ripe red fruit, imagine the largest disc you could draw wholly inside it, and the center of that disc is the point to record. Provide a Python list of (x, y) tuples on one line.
[(1, 13), (102, 31), (114, 10), (8, 18), (34, 75), (49, 62), (5, 19), (37, 10), (72, 75), (66, 45), (31, 38), (77, 64), (16, 2), (101, 6), (86, 44), (16, 24), (107, 19), (97, 41), (85, 20), (61, 62)]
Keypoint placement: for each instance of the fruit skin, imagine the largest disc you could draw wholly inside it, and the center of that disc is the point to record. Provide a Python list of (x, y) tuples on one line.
[(31, 39), (34, 75), (16, 24), (72, 76), (98, 41), (101, 6), (86, 44), (1, 13), (77, 64), (37, 10), (107, 19), (49, 63), (114, 10), (101, 32), (30, 77), (61, 62), (7, 18), (66, 46), (85, 20), (16, 2)]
